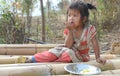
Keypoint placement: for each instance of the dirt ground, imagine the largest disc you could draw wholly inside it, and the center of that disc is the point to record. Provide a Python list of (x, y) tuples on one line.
[(108, 39)]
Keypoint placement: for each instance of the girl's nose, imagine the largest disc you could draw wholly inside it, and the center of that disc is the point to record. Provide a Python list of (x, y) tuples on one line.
[(71, 17)]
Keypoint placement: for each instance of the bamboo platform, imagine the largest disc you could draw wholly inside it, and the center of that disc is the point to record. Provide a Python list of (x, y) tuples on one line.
[(46, 69), (9, 53)]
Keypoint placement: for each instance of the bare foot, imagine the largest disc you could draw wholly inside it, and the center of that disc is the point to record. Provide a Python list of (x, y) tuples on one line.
[(28, 60)]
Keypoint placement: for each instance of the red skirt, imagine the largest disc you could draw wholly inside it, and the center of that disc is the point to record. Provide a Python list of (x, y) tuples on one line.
[(47, 56)]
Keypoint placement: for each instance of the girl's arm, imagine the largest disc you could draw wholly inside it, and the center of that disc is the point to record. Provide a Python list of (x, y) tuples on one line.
[(96, 51), (95, 47), (69, 40)]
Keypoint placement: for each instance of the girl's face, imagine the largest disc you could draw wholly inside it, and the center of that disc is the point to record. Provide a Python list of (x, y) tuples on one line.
[(74, 18)]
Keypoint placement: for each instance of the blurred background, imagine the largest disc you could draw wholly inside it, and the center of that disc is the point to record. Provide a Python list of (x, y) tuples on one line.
[(42, 21)]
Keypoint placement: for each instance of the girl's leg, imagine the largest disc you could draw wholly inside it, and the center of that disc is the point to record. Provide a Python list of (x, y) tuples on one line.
[(45, 57), (64, 58)]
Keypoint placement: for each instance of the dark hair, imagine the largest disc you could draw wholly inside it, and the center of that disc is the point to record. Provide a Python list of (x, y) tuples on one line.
[(82, 7)]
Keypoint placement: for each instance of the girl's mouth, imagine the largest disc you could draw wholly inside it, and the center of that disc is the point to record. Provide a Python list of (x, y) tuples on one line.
[(71, 23)]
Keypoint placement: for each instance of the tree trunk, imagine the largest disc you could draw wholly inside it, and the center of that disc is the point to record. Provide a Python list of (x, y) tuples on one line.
[(43, 21)]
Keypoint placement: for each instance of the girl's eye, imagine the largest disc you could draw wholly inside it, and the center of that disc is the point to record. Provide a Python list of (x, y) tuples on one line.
[(69, 15), (75, 15)]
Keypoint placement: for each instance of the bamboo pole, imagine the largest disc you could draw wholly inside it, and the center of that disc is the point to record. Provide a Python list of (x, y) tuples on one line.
[(8, 48), (38, 69), (33, 69), (109, 73), (21, 49), (110, 64), (117, 71), (8, 60), (12, 59), (105, 56), (24, 49), (42, 70), (30, 49), (103, 73), (3, 49), (89, 75), (106, 75)]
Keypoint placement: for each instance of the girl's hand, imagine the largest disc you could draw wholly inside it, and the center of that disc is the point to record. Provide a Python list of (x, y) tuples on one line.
[(101, 60), (69, 26)]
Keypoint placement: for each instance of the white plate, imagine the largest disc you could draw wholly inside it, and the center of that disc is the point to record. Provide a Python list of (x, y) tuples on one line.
[(79, 68)]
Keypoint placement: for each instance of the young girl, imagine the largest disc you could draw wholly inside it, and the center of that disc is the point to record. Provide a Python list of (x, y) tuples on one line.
[(79, 33)]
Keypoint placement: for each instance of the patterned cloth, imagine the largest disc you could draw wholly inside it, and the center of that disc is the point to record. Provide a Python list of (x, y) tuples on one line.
[(81, 46)]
